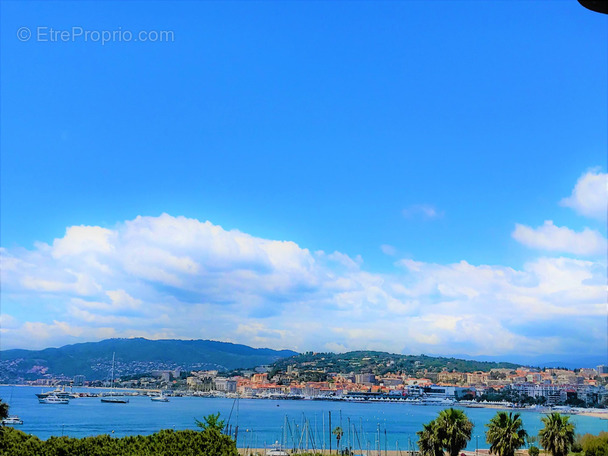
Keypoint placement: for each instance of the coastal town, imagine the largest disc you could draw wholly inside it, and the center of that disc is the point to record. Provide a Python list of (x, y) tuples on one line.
[(522, 386)]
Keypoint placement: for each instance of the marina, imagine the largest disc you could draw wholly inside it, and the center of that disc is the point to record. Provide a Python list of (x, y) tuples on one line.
[(258, 423)]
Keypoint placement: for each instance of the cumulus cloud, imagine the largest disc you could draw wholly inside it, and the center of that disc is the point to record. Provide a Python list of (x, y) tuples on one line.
[(178, 277), (388, 249), (590, 195), (425, 211), (560, 239)]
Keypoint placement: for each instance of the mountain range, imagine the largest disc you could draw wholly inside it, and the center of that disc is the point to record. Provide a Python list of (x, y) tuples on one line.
[(139, 356), (133, 356)]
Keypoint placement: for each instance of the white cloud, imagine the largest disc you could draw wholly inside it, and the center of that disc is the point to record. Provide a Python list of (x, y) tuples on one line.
[(176, 277), (7, 322), (83, 239), (560, 239), (388, 249), (590, 195), (426, 211)]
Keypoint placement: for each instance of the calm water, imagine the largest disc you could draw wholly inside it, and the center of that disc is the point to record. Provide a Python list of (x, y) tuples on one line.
[(260, 421)]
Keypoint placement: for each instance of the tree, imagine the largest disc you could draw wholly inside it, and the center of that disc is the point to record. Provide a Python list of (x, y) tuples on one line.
[(558, 434), (429, 443), (595, 445), (449, 432), (505, 434), (211, 422), (454, 430), (338, 432), (3, 410)]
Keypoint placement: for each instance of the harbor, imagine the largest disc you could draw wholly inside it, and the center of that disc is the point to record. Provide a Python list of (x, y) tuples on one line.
[(300, 425)]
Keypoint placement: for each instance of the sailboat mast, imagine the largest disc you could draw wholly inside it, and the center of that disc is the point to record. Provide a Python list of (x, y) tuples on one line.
[(112, 384)]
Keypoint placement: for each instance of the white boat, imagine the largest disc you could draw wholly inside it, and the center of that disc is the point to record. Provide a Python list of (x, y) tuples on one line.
[(161, 398), (43, 394), (114, 398), (276, 450), (52, 399), (61, 393), (14, 419), (436, 401)]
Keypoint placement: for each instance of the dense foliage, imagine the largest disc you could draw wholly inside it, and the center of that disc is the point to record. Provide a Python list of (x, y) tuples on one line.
[(164, 443), (381, 363), (595, 445), (509, 395), (3, 410)]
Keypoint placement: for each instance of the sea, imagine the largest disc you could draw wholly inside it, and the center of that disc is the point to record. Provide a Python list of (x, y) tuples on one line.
[(261, 422)]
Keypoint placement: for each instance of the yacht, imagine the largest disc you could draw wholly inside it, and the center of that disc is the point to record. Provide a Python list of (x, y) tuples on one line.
[(52, 399), (276, 450), (115, 400), (14, 419), (436, 401), (161, 398), (61, 393), (112, 397)]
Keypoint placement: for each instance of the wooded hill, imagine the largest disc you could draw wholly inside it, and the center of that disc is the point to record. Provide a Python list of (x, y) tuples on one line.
[(138, 355), (379, 363)]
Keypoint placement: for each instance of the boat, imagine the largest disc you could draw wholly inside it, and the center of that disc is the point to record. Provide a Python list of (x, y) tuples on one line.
[(11, 419), (436, 401), (14, 419), (59, 392), (161, 398), (112, 397), (115, 400), (52, 399), (43, 394), (276, 450)]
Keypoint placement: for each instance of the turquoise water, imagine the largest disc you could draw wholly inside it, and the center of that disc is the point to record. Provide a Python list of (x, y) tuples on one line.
[(260, 421)]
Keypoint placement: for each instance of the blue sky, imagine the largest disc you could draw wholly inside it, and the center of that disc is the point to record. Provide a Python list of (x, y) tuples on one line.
[(409, 137)]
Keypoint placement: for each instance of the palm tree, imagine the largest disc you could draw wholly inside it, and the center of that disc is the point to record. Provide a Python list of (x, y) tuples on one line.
[(338, 432), (505, 434), (454, 430), (558, 434), (429, 443)]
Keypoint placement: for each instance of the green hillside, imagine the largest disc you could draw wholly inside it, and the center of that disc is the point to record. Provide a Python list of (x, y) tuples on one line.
[(94, 359), (380, 363)]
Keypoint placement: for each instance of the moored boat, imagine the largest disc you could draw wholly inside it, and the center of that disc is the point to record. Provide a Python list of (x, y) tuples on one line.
[(52, 399), (112, 397), (59, 392), (115, 400), (12, 420), (160, 398), (276, 450)]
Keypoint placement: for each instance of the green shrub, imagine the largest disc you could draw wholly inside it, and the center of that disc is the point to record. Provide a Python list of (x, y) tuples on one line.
[(595, 445), (533, 451), (163, 443)]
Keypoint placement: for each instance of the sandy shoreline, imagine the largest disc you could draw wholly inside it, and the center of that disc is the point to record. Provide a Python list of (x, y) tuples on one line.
[(603, 415)]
